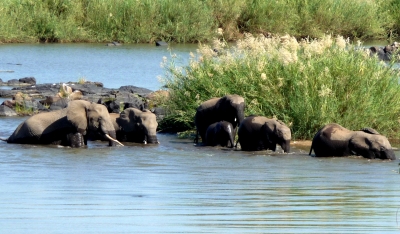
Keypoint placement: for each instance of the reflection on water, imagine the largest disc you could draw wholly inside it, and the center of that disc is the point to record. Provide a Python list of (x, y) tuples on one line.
[(176, 187)]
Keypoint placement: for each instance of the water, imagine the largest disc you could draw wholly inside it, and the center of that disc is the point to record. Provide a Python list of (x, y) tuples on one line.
[(176, 187), (136, 64)]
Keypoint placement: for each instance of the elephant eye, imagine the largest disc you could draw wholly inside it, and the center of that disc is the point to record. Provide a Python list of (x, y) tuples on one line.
[(383, 148)]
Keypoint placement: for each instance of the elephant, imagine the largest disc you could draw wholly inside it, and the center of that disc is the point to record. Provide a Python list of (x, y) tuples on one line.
[(259, 133), (220, 133), (229, 108), (67, 127), (335, 140), (134, 125)]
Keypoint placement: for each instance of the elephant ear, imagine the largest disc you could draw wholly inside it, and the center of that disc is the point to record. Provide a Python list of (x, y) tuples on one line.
[(77, 115), (359, 145), (370, 131)]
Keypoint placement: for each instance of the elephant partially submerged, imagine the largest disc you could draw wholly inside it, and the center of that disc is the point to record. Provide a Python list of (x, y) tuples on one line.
[(335, 140), (261, 133), (68, 127), (220, 133), (229, 108), (134, 125)]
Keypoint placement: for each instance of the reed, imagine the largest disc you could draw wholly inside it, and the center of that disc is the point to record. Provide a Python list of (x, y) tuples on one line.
[(305, 83), (132, 21)]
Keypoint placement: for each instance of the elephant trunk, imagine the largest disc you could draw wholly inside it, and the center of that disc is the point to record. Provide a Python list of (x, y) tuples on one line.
[(286, 146), (388, 154), (152, 139)]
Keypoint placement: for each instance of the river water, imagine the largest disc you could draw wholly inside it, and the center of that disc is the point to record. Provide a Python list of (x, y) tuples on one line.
[(175, 187)]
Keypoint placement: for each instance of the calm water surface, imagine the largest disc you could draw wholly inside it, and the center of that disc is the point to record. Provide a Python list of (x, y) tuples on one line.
[(176, 187)]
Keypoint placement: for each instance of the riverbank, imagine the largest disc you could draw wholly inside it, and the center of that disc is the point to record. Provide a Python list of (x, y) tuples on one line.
[(194, 21)]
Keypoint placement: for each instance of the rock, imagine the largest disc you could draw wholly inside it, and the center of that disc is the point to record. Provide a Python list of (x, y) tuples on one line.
[(114, 43), (13, 82), (134, 89), (28, 80), (161, 43), (7, 111)]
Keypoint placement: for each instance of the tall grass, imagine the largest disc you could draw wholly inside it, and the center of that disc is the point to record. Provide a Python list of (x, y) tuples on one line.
[(306, 84), (192, 20)]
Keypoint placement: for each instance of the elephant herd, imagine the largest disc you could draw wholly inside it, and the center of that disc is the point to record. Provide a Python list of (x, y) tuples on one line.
[(81, 121), (217, 121)]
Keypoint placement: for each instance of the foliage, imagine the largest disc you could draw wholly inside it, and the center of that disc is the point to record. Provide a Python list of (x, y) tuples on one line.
[(192, 20), (305, 83)]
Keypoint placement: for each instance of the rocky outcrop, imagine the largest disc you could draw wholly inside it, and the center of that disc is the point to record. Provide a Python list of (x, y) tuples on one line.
[(47, 97)]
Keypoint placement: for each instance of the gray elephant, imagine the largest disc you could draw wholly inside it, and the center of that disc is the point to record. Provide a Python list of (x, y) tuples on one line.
[(68, 127), (220, 133), (134, 125), (261, 133), (335, 140), (229, 108)]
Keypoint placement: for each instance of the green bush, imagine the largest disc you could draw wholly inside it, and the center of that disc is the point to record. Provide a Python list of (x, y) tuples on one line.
[(306, 84), (192, 20)]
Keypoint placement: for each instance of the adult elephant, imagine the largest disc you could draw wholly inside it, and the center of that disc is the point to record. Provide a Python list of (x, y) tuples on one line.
[(261, 133), (335, 140), (220, 133), (229, 108), (134, 125), (68, 127)]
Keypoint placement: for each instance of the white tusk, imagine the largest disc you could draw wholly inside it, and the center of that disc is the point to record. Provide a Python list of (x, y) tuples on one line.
[(112, 139), (144, 142)]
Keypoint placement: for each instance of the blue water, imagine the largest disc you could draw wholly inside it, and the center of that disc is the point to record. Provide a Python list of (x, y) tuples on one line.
[(175, 187)]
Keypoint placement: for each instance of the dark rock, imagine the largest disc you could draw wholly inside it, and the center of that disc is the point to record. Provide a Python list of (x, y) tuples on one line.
[(7, 111), (13, 82), (161, 43), (114, 43), (28, 80), (134, 89)]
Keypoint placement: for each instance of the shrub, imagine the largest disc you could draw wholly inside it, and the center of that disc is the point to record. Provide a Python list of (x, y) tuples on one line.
[(306, 84)]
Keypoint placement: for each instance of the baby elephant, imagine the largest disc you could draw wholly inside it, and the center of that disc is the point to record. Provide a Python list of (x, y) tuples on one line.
[(220, 133), (259, 133), (335, 140)]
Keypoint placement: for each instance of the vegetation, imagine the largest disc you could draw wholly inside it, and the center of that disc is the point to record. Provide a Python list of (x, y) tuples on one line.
[(133, 21), (306, 84)]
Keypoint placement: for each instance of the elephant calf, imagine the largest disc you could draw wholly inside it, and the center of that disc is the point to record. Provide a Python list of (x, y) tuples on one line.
[(335, 140), (134, 125), (220, 133), (259, 133)]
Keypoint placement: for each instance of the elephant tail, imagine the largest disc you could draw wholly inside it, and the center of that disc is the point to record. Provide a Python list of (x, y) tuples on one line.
[(311, 148)]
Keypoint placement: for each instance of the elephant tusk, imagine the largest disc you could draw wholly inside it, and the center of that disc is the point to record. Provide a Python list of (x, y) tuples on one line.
[(145, 142), (112, 139)]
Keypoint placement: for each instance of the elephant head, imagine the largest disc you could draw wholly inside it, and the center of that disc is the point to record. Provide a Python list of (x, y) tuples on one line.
[(370, 144), (275, 132), (138, 126), (335, 140), (259, 133), (91, 117), (229, 108)]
